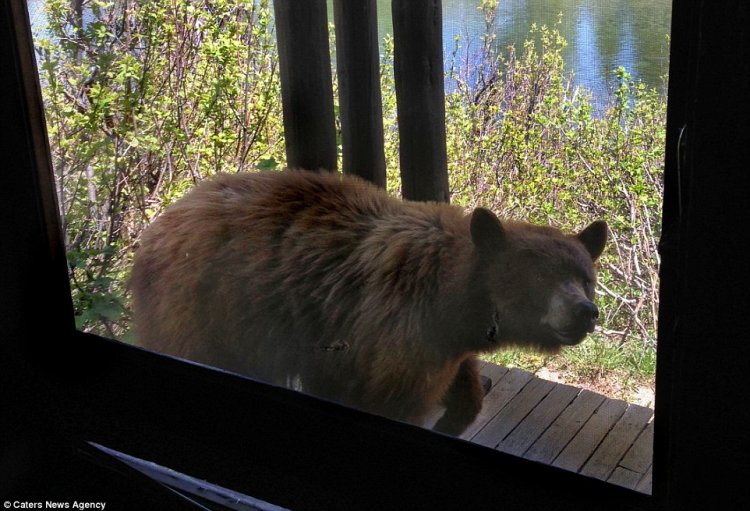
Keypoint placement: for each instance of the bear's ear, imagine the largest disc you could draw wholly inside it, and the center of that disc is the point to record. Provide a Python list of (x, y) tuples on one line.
[(594, 237), (487, 232)]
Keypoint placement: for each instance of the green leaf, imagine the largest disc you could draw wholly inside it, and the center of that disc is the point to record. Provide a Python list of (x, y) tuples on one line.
[(267, 164)]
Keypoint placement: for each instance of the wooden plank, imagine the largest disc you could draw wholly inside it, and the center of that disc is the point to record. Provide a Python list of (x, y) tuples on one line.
[(645, 484), (420, 99), (557, 436), (614, 446), (513, 413), (306, 84), (360, 103), (492, 371), (590, 435), (640, 455), (625, 477), (540, 418), (481, 365), (432, 419), (499, 396)]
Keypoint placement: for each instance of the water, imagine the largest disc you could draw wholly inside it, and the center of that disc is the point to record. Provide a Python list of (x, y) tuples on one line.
[(36, 14), (601, 35)]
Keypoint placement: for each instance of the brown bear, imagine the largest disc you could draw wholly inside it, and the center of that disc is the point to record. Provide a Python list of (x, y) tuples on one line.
[(326, 284)]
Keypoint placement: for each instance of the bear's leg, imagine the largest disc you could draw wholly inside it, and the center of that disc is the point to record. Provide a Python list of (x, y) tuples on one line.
[(463, 401)]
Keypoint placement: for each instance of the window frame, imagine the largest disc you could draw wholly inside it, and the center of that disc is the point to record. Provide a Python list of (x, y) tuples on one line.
[(290, 449)]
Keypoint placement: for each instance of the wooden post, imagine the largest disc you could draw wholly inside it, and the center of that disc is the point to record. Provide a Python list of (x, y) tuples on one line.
[(418, 59), (306, 84), (357, 59)]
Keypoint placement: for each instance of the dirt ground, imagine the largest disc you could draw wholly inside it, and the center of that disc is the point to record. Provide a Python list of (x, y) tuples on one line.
[(612, 385)]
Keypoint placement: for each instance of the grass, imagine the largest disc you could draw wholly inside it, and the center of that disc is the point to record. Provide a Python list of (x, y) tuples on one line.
[(617, 370)]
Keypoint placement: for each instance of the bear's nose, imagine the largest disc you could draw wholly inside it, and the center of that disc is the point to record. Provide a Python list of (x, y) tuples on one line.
[(587, 311)]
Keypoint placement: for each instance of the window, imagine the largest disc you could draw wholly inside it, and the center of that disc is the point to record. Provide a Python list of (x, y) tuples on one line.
[(130, 400)]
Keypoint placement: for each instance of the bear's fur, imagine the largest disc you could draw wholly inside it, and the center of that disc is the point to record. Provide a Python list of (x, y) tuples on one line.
[(326, 284)]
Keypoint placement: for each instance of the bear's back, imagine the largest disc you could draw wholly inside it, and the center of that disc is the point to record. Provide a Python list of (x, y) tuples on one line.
[(283, 267)]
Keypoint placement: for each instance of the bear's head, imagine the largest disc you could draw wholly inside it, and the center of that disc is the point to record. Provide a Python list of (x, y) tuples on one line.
[(539, 281)]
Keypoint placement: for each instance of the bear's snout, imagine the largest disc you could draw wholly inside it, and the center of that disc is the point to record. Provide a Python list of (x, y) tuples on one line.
[(586, 314)]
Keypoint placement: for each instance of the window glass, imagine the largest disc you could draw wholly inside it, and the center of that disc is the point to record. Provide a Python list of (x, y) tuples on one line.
[(555, 115)]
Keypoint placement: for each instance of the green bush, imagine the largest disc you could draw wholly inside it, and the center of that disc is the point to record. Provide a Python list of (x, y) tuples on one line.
[(141, 104)]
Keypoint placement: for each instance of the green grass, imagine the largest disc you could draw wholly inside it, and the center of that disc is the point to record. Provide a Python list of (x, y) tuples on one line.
[(617, 369)]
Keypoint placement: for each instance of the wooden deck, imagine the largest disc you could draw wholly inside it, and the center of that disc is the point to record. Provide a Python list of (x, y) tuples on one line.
[(564, 426)]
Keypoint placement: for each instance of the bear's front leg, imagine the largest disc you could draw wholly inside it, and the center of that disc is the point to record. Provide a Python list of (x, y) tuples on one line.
[(463, 401)]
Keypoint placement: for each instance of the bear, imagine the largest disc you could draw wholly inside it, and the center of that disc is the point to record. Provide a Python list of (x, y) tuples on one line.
[(324, 283)]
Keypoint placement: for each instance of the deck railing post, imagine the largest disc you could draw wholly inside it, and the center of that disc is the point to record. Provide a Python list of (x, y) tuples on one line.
[(418, 60), (306, 84), (360, 104)]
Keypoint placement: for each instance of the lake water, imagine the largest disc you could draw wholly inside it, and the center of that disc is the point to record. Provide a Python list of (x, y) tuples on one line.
[(601, 35)]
